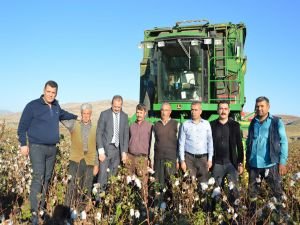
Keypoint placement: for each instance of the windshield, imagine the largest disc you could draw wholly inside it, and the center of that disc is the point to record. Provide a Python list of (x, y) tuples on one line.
[(181, 74)]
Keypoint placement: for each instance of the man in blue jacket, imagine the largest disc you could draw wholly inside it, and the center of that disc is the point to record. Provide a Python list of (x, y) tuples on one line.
[(39, 124), (267, 150)]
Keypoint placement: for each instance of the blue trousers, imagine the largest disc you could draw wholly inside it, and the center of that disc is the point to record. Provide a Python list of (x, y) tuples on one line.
[(42, 159)]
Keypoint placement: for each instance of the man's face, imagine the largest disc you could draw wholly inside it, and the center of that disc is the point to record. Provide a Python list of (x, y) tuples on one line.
[(223, 111), (196, 111), (262, 108), (165, 112), (117, 105), (140, 115), (49, 94), (86, 115)]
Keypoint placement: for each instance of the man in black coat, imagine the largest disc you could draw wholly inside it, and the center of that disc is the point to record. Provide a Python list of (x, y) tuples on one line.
[(228, 149)]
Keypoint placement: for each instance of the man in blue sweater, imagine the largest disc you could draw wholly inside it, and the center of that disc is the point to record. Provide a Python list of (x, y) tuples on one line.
[(39, 124)]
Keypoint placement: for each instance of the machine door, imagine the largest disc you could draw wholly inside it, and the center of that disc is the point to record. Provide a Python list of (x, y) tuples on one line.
[(181, 70)]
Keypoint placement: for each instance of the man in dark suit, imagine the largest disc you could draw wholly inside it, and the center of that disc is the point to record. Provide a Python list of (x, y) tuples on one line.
[(112, 139), (228, 149)]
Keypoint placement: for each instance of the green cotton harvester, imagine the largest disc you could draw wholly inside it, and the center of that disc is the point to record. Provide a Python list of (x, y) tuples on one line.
[(193, 61)]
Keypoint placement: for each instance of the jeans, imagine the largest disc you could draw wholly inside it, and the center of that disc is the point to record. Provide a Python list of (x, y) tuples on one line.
[(220, 172), (42, 158), (80, 185)]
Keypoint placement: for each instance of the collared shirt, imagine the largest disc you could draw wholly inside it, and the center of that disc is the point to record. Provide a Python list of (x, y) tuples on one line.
[(221, 133), (140, 138), (195, 138), (115, 116), (260, 154)]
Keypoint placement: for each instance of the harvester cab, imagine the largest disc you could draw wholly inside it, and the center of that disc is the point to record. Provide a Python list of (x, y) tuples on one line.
[(193, 61)]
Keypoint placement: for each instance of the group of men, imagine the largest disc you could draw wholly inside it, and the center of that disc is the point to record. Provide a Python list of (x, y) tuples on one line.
[(197, 146)]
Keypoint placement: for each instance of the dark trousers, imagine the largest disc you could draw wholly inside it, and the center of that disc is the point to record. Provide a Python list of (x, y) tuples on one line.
[(227, 170), (109, 167), (270, 175), (164, 168), (80, 185), (197, 167), (42, 158)]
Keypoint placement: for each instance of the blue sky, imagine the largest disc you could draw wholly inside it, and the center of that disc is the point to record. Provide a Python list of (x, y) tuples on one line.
[(91, 47)]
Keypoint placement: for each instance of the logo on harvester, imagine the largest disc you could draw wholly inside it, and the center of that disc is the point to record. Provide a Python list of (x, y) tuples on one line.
[(178, 106)]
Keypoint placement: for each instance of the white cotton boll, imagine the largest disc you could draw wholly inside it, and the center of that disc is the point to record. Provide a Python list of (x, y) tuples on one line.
[(216, 192), (108, 170), (164, 190), (131, 212), (74, 214), (258, 180), (176, 183), (292, 183), (83, 215), (271, 206), (267, 172), (128, 179), (296, 176), (138, 183), (211, 181), (150, 170), (98, 216), (235, 215), (204, 186), (137, 214), (231, 185)]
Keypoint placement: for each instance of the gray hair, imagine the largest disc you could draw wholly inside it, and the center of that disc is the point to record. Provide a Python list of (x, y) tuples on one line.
[(85, 106), (167, 104)]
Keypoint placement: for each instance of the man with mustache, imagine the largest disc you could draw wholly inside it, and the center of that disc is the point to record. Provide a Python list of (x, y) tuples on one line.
[(140, 133), (228, 149), (267, 152)]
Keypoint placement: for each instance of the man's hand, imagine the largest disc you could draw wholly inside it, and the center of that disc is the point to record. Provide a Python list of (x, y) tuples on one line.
[(240, 169), (177, 165), (282, 169), (24, 150), (102, 157), (183, 166), (95, 170), (124, 157), (209, 164)]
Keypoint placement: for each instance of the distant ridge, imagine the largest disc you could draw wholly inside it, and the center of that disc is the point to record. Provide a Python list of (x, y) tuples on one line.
[(98, 106), (5, 112)]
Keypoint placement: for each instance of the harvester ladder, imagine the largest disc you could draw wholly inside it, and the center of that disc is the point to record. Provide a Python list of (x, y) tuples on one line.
[(220, 63)]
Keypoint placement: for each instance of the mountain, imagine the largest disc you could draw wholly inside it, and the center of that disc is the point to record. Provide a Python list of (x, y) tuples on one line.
[(4, 112), (12, 119)]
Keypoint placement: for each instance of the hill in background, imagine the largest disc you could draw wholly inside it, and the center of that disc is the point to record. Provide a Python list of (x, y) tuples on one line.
[(12, 119)]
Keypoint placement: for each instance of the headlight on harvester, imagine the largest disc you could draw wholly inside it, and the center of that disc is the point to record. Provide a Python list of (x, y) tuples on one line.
[(161, 44), (149, 45), (194, 42), (207, 41)]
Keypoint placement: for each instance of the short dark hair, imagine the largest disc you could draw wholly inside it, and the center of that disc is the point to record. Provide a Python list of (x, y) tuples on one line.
[(141, 106), (262, 98), (223, 102), (51, 83), (117, 97), (196, 103)]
